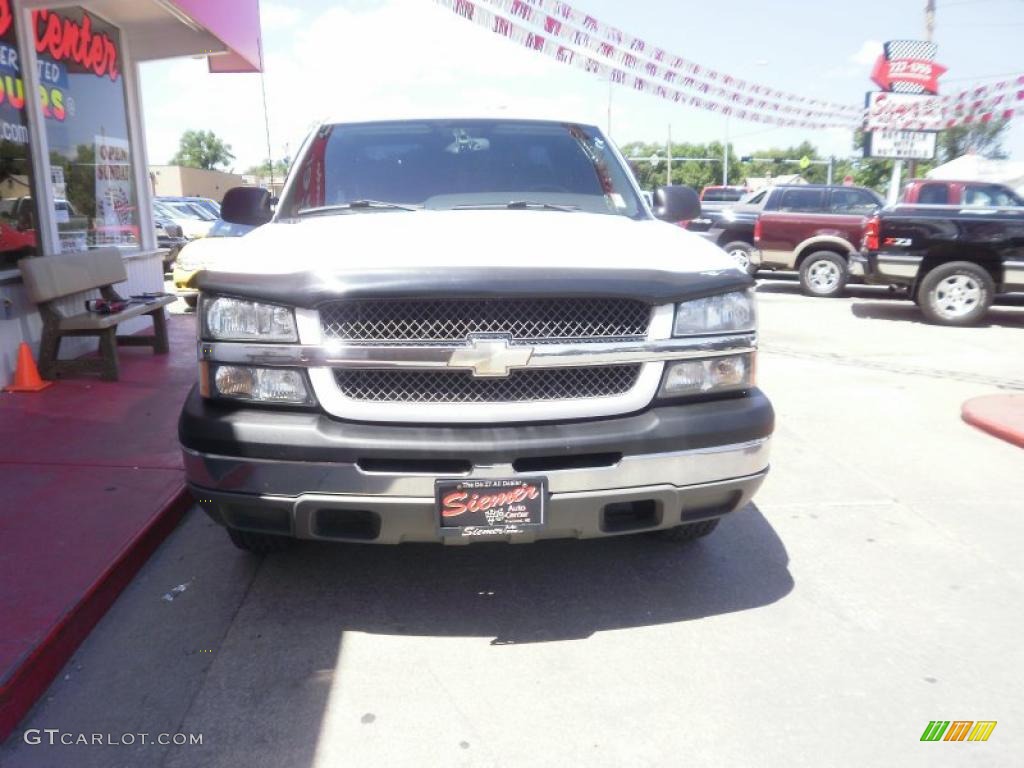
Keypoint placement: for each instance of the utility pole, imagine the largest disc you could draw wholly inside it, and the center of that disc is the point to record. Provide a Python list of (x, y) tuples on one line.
[(668, 178), (266, 122), (929, 34), (725, 155), (609, 106)]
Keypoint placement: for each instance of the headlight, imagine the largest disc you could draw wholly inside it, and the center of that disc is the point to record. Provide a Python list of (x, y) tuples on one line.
[(712, 376), (236, 320), (726, 313), (265, 385)]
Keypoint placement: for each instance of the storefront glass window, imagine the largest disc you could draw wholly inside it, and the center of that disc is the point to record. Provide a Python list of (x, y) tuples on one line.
[(82, 90), (17, 206)]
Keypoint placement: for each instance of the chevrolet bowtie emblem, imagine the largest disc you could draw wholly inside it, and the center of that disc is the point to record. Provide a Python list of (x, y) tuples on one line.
[(490, 356)]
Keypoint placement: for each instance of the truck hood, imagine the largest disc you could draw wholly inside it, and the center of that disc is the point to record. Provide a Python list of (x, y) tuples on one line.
[(426, 240), (479, 254)]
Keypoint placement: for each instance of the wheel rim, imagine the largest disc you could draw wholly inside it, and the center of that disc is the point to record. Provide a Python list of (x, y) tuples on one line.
[(823, 276), (956, 296), (741, 257)]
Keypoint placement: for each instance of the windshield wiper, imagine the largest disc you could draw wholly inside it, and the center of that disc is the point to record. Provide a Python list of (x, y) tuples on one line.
[(356, 205), (518, 205)]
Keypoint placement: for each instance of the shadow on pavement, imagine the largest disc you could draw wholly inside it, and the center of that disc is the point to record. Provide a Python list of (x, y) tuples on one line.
[(553, 590), (788, 284), (906, 311)]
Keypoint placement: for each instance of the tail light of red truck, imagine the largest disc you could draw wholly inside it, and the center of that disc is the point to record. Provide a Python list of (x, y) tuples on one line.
[(871, 229)]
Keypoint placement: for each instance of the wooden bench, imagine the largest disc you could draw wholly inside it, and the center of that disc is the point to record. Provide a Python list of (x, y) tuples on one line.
[(58, 283)]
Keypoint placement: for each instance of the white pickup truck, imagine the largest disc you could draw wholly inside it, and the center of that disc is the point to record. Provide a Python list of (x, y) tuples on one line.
[(465, 330)]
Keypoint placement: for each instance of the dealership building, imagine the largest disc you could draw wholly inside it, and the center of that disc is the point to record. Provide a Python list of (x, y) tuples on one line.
[(73, 169)]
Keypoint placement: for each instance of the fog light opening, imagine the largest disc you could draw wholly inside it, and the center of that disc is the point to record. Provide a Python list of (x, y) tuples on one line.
[(625, 516)]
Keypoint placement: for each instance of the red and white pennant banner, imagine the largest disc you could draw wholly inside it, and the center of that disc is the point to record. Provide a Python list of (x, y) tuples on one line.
[(931, 113), (558, 9), (536, 41), (661, 69), (1014, 86), (660, 72)]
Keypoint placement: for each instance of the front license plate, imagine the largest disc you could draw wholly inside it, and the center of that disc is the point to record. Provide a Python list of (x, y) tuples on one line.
[(490, 506)]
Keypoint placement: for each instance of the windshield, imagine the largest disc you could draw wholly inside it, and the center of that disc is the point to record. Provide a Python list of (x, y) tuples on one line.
[(223, 228), (990, 195), (190, 211), (446, 164), (209, 206)]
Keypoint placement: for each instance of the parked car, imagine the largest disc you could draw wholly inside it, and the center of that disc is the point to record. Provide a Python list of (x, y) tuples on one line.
[(16, 241), (202, 254), (953, 260), (714, 200), (169, 237), (981, 194), (207, 205), (193, 221), (715, 194), (732, 229), (814, 230), (20, 234), (408, 351)]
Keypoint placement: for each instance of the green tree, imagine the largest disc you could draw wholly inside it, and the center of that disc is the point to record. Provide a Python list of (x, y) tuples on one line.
[(280, 168), (704, 167), (202, 149), (985, 139)]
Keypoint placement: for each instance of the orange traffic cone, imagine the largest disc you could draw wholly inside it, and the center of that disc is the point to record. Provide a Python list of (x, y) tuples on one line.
[(26, 378)]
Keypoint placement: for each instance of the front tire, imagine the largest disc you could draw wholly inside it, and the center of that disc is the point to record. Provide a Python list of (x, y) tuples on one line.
[(958, 293), (743, 254), (258, 543), (823, 274), (683, 534)]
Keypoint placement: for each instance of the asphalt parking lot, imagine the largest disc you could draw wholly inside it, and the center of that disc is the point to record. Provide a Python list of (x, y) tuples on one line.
[(875, 585)]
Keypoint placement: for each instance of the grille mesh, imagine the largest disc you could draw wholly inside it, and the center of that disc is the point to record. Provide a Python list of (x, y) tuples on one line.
[(523, 385), (446, 320)]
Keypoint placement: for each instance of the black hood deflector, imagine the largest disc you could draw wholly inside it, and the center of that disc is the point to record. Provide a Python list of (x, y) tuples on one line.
[(307, 289)]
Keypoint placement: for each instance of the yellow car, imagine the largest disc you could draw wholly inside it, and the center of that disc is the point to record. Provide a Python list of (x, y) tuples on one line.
[(195, 257)]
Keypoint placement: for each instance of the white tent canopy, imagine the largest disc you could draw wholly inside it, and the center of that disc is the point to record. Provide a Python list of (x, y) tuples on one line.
[(977, 168)]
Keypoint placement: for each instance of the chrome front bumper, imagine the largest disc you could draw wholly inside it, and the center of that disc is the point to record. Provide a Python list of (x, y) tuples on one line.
[(343, 502)]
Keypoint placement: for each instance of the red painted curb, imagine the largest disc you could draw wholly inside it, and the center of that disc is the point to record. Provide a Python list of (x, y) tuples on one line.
[(999, 415), (20, 692)]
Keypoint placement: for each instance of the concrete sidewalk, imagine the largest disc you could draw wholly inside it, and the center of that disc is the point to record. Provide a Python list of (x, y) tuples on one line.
[(93, 482)]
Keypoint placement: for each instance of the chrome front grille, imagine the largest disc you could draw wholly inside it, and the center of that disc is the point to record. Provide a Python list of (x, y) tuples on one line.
[(525, 321), (520, 386)]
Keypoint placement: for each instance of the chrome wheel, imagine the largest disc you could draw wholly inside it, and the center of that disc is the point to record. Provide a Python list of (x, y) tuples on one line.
[(823, 276), (742, 258), (956, 296)]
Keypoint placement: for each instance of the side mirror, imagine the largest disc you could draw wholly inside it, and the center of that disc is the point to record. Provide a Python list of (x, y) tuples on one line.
[(246, 205), (676, 203)]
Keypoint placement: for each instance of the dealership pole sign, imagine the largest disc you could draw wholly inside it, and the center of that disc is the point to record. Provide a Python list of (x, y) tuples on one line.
[(908, 75), (908, 66)]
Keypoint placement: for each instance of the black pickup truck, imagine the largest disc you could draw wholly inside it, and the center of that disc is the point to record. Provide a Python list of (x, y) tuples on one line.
[(952, 260)]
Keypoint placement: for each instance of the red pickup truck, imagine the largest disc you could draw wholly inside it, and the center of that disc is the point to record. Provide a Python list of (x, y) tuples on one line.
[(814, 230), (968, 194)]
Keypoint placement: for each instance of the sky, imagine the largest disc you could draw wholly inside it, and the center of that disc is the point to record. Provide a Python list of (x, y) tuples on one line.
[(363, 59)]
